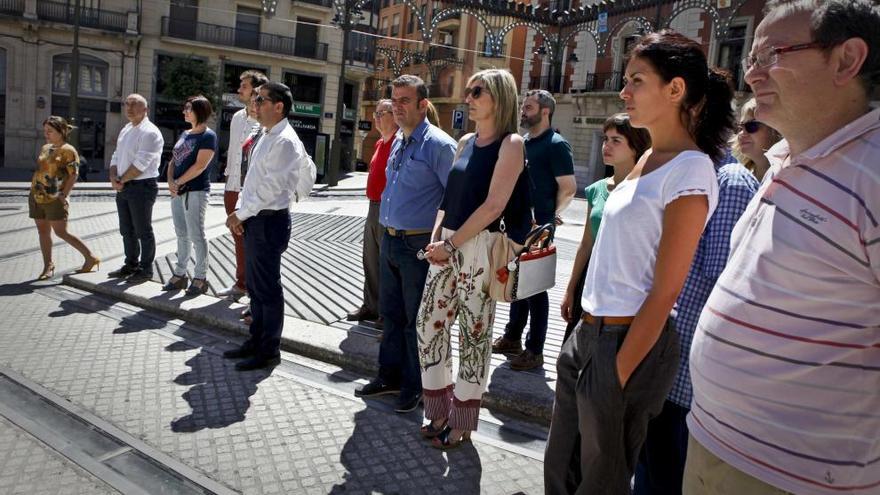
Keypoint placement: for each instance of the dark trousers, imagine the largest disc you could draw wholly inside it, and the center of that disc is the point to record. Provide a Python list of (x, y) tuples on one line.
[(402, 281), (577, 311), (134, 204), (230, 198), (661, 463), (598, 428), (265, 240), (538, 308), (372, 241)]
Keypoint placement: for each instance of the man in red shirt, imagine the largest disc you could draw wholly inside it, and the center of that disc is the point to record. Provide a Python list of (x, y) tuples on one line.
[(384, 122)]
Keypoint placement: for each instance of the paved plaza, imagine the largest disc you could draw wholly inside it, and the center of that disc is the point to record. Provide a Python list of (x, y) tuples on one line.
[(98, 395)]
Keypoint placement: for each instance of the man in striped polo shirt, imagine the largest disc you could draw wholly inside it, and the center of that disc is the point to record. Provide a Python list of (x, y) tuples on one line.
[(786, 359)]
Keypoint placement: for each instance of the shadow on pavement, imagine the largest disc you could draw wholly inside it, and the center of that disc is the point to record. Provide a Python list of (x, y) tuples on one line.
[(382, 458), (220, 395), (510, 384), (86, 305), (18, 288)]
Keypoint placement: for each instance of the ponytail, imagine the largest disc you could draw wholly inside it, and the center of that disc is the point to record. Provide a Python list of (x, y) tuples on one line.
[(714, 119)]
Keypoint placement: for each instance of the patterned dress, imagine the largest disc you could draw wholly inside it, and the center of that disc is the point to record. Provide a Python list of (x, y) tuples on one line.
[(54, 166)]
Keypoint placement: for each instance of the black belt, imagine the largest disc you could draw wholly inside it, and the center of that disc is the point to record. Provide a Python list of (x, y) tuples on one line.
[(266, 213), (404, 233)]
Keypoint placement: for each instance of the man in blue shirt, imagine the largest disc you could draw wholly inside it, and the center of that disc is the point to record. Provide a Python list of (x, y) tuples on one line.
[(417, 169)]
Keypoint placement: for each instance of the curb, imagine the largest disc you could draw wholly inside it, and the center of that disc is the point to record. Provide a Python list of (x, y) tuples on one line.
[(525, 395)]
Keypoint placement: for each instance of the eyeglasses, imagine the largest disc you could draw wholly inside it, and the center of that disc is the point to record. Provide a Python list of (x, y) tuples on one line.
[(474, 92), (750, 127), (378, 114), (770, 55), (259, 99)]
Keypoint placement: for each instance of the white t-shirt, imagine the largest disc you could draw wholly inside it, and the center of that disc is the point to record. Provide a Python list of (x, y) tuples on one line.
[(621, 270)]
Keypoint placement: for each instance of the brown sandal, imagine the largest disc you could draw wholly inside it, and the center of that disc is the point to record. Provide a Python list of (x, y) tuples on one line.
[(443, 441), (430, 431)]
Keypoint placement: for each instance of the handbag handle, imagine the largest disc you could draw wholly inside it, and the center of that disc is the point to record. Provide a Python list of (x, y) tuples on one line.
[(536, 236)]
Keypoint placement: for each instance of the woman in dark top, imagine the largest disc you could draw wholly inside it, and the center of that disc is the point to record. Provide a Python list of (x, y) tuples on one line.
[(189, 184), (487, 188)]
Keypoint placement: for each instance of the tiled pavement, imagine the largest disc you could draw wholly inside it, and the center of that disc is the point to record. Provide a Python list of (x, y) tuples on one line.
[(253, 432)]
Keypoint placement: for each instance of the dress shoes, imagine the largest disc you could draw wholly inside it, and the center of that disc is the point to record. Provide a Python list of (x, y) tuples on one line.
[(257, 362), (361, 314)]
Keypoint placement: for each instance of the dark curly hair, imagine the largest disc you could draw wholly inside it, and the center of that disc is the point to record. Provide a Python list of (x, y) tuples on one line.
[(706, 111)]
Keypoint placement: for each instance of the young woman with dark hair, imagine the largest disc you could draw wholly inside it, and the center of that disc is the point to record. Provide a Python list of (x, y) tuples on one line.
[(615, 371), (189, 184), (51, 185), (622, 146)]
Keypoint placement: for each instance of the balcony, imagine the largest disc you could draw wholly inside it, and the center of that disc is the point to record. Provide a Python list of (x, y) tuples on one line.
[(12, 7), (442, 52), (228, 36), (88, 17), (603, 81), (545, 82), (322, 3), (486, 51)]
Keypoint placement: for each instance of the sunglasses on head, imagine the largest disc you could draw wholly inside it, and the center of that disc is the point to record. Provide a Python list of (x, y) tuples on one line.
[(750, 127), (474, 92)]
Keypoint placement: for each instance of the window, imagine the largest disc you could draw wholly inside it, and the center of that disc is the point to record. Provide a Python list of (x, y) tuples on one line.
[(247, 28), (92, 75), (306, 37), (395, 25), (731, 51), (182, 19), (232, 76), (306, 89)]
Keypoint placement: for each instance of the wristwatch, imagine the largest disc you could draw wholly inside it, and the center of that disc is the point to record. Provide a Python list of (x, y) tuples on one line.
[(449, 246)]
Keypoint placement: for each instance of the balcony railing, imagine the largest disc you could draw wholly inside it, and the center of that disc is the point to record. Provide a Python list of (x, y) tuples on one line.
[(486, 51), (603, 81), (441, 52), (12, 7), (254, 40), (88, 17), (322, 3), (545, 82), (359, 54)]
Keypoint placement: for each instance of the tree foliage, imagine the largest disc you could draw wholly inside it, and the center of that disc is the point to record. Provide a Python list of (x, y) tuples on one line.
[(183, 77)]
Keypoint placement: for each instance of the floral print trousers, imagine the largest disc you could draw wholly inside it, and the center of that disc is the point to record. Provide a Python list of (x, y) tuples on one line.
[(461, 288)]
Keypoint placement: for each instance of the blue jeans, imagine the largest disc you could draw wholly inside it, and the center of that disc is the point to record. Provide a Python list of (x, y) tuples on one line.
[(188, 214), (134, 204), (401, 283), (538, 306), (265, 240)]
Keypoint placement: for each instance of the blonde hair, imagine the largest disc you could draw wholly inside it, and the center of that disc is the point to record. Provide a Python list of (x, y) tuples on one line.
[(501, 85), (433, 116), (748, 108)]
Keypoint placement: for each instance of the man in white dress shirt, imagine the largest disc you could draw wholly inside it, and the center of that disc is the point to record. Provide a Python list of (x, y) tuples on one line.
[(241, 127), (263, 217), (133, 171)]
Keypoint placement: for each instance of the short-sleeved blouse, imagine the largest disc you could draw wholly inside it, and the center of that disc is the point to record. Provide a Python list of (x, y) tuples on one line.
[(54, 165)]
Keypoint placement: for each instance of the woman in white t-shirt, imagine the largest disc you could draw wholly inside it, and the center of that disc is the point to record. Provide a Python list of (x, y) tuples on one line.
[(615, 372)]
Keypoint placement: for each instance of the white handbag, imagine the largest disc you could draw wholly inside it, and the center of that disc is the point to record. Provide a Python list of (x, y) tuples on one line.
[(530, 269)]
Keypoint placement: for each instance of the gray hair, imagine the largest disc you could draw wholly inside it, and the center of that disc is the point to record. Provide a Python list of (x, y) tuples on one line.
[(384, 101), (139, 98), (413, 81), (544, 98)]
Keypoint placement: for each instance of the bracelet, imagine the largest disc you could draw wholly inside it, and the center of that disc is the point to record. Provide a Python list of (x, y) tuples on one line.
[(449, 246)]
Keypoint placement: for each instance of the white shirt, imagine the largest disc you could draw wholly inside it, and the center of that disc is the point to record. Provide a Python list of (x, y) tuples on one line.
[(621, 269), (273, 172), (139, 146), (240, 128)]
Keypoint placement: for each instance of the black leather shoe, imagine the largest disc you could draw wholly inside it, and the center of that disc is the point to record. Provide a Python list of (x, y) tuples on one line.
[(375, 388), (256, 363), (139, 276), (122, 272), (242, 352), (407, 403), (361, 314)]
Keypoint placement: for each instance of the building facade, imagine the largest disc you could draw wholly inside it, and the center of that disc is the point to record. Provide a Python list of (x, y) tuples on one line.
[(128, 46)]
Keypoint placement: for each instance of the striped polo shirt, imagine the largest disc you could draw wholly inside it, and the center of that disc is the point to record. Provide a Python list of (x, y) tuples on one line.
[(786, 359)]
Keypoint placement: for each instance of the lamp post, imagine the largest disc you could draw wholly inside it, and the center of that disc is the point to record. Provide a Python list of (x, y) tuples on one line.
[(347, 14), (73, 107)]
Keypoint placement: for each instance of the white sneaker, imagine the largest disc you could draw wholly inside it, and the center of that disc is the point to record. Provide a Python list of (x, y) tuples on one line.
[(232, 293)]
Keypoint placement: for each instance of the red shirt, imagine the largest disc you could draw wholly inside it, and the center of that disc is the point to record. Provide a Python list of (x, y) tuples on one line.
[(376, 178)]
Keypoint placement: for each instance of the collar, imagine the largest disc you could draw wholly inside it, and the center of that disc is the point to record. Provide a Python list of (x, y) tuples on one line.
[(418, 133), (848, 133), (547, 133), (278, 128), (145, 119)]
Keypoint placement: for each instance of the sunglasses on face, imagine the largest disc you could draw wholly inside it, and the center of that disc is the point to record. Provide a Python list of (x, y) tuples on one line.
[(474, 92), (750, 127), (259, 99)]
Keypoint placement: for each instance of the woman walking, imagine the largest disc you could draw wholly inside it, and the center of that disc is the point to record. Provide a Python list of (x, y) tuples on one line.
[(50, 187), (616, 370), (487, 187), (622, 146), (189, 184)]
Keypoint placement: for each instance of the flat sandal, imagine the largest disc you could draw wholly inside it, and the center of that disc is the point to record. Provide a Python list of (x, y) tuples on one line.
[(444, 442), (430, 431)]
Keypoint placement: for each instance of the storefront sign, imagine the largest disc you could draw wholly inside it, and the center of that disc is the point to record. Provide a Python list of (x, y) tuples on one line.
[(307, 109), (304, 124), (349, 114), (365, 125)]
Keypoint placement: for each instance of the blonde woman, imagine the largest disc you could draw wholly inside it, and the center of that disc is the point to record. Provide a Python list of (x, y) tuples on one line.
[(486, 185), (752, 139), (53, 180)]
